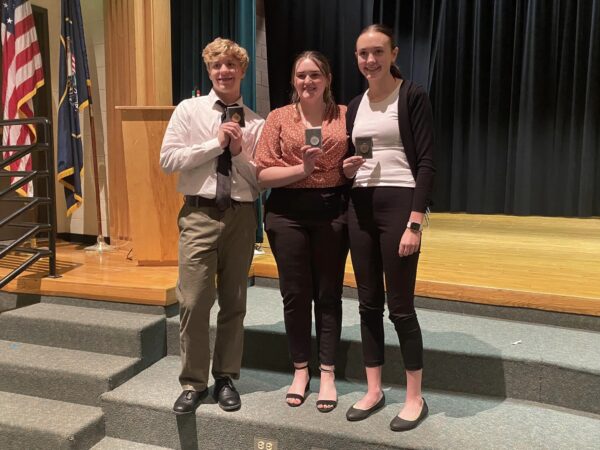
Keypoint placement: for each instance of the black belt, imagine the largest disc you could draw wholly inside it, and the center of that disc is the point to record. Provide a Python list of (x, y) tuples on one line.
[(197, 201)]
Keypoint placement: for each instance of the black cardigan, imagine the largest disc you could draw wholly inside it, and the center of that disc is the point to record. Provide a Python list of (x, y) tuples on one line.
[(415, 120)]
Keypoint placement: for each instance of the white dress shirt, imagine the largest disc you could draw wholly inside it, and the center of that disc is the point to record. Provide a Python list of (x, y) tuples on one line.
[(191, 147)]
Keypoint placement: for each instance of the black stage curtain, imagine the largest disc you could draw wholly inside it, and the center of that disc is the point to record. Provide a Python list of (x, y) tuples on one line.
[(195, 23), (330, 27), (515, 87)]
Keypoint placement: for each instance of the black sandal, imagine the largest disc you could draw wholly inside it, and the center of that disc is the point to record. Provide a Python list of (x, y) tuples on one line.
[(326, 405), (302, 398)]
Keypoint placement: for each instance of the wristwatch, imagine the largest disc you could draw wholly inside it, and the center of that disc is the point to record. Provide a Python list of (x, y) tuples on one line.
[(414, 226)]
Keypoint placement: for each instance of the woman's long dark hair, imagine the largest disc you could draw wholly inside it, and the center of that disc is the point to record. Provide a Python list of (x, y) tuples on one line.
[(331, 108), (384, 29)]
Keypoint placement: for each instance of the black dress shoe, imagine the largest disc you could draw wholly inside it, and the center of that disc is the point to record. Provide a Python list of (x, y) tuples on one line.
[(226, 395), (188, 401), (355, 414), (398, 424)]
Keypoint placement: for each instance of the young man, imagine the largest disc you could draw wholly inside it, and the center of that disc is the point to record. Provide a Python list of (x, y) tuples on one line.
[(217, 224)]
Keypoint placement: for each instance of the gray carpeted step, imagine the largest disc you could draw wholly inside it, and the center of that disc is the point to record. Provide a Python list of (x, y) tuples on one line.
[(173, 335), (93, 330), (62, 374), (34, 423), (538, 316), (109, 443), (463, 353), (140, 410), (10, 300)]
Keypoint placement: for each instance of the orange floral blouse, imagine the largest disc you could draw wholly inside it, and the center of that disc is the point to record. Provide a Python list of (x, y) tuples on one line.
[(283, 136)]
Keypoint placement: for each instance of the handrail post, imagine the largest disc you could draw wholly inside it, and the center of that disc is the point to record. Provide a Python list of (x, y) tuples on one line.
[(52, 194)]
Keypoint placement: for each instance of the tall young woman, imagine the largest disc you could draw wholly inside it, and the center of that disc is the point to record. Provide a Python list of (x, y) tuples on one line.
[(305, 219), (388, 201)]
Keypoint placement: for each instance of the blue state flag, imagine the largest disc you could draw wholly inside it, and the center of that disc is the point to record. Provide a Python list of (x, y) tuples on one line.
[(74, 90)]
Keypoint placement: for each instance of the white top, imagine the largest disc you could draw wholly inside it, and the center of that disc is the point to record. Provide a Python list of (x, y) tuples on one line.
[(191, 147), (389, 166)]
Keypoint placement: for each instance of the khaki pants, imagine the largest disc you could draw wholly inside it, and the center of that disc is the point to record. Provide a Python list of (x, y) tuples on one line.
[(215, 253)]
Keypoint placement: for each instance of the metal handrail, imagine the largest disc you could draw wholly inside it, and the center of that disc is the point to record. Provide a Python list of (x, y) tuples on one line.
[(31, 229)]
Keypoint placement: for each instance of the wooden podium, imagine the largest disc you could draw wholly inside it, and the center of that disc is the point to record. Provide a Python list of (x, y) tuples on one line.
[(152, 197)]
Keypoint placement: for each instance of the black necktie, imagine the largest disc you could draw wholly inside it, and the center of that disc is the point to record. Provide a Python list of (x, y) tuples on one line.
[(223, 194)]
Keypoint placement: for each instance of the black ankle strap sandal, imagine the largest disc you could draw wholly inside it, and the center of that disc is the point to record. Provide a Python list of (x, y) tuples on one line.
[(326, 406), (299, 397)]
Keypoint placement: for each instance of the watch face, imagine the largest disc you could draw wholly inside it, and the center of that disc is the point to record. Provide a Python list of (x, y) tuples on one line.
[(415, 226)]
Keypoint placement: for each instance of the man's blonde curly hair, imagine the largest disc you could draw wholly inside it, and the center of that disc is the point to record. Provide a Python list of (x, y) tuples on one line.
[(225, 47)]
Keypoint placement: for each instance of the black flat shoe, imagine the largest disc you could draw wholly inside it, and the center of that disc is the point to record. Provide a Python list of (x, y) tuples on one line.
[(355, 414), (188, 401), (302, 398), (398, 424), (326, 406), (226, 395)]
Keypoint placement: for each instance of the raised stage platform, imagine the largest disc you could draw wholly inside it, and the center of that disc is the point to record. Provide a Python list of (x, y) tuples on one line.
[(530, 262), (109, 276)]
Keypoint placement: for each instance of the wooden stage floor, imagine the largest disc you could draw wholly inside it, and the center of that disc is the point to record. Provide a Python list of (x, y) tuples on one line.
[(531, 262), (111, 276)]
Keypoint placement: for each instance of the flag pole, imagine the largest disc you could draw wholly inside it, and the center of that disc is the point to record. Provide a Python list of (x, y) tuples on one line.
[(101, 245)]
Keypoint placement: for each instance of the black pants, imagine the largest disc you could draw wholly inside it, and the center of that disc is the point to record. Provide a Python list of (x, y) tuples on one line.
[(377, 219), (308, 235)]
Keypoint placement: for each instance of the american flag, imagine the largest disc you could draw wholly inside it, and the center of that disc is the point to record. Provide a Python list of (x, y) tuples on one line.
[(22, 75)]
